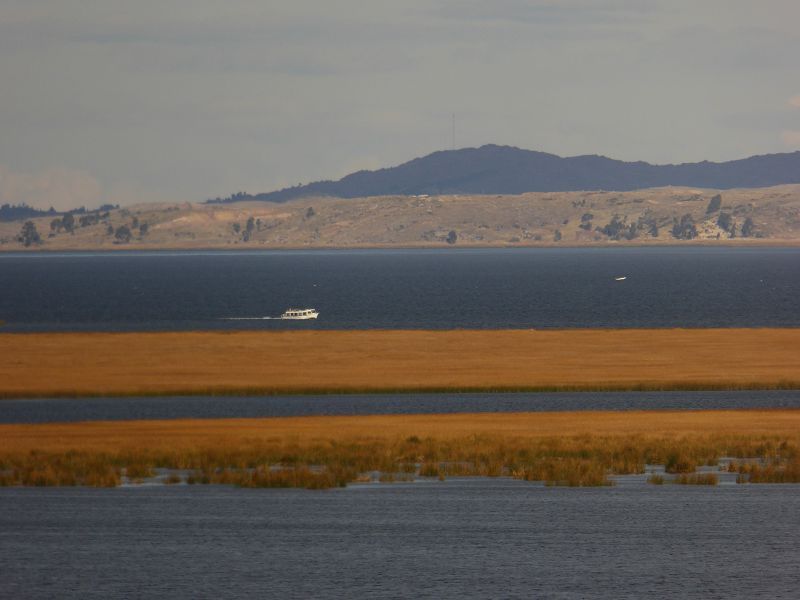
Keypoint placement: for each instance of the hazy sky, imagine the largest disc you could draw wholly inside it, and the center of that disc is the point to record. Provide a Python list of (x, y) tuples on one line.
[(124, 101)]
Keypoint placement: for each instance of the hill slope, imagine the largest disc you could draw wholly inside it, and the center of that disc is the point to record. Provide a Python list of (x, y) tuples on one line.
[(494, 169), (654, 216)]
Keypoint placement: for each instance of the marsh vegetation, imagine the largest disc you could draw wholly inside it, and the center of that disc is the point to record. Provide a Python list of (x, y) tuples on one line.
[(266, 362), (555, 448)]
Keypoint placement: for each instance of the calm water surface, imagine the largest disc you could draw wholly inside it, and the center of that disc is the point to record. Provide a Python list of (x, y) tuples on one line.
[(444, 289), (218, 407), (456, 539)]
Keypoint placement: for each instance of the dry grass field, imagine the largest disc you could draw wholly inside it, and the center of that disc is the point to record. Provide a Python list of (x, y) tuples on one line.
[(580, 448), (78, 364)]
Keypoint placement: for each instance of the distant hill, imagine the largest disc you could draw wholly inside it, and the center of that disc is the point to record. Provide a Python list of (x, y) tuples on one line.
[(495, 169), (15, 212)]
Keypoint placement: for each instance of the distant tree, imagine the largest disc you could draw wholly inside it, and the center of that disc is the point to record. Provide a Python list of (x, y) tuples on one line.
[(123, 234), (557, 235), (90, 219), (632, 232), (748, 227), (237, 228), (143, 229), (310, 212), (258, 224), (685, 229), (68, 222), (110, 229), (725, 221), (28, 235), (248, 229), (648, 223), (452, 237), (55, 225), (615, 228), (19, 212), (714, 205), (135, 223)]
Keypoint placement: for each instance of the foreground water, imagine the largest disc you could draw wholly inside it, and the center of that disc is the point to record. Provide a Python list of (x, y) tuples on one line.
[(455, 539), (444, 289), (221, 407)]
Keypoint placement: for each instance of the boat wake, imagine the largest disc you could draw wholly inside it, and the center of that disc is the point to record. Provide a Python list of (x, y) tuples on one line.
[(292, 314), (250, 318)]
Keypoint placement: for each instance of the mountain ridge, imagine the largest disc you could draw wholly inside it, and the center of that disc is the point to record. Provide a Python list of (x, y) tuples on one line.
[(494, 169)]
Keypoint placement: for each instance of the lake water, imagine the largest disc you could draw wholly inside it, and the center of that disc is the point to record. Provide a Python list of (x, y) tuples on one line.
[(462, 538), (444, 289), (220, 407), (467, 538)]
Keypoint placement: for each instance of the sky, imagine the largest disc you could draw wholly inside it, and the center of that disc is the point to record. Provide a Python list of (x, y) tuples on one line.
[(184, 100)]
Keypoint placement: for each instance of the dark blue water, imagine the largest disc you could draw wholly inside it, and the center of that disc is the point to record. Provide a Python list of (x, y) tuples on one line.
[(217, 407), (454, 539), (522, 288)]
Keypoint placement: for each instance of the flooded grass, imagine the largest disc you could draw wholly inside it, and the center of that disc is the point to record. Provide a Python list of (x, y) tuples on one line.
[(564, 449), (775, 471)]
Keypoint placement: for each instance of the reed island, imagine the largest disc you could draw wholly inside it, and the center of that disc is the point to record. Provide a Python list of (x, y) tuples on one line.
[(579, 448), (281, 362)]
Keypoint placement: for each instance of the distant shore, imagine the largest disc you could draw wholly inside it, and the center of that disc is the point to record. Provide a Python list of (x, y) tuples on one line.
[(375, 361), (742, 243), (650, 217)]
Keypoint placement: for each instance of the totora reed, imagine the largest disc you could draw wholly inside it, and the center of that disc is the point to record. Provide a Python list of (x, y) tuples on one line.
[(575, 449), (253, 362)]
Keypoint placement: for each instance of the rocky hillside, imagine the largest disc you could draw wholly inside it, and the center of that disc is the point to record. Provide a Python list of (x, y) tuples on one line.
[(652, 216)]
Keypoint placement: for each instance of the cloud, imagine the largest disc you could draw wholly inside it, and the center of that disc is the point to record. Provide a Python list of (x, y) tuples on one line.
[(58, 187), (791, 139), (795, 101)]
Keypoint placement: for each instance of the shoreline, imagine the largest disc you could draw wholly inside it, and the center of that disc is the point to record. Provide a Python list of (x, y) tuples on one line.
[(173, 434), (537, 219), (396, 361), (122, 248), (348, 391)]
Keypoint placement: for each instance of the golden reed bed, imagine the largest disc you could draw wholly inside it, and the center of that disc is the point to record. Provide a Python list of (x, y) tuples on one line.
[(76, 364), (109, 436), (578, 448)]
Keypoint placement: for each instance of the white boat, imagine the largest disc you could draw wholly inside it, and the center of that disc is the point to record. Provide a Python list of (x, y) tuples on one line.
[(300, 313), (620, 278)]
